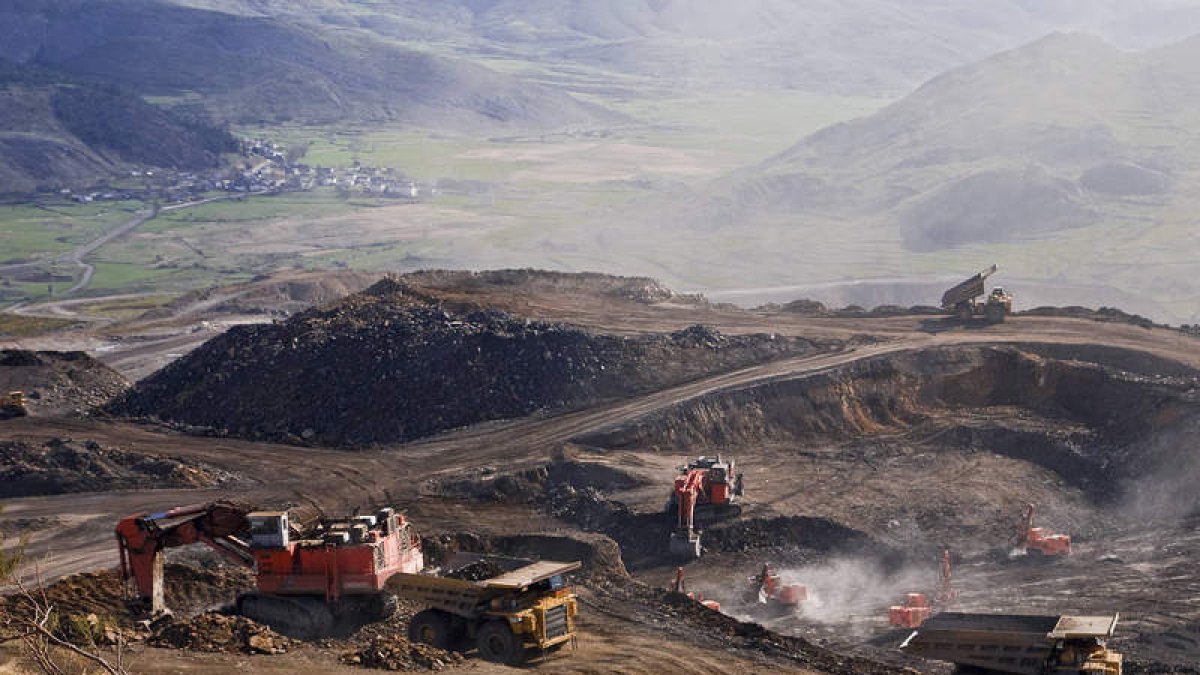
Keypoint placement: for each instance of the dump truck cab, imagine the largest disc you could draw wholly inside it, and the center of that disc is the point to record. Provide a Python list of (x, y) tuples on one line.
[(524, 608)]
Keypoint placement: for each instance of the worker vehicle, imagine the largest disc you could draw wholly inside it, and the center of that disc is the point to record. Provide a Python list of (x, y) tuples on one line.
[(1034, 541), (769, 591), (961, 299), (1018, 644), (680, 586), (704, 489), (524, 610), (13, 405), (308, 582)]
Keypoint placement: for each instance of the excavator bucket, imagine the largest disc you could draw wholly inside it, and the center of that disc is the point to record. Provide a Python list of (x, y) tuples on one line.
[(685, 544)]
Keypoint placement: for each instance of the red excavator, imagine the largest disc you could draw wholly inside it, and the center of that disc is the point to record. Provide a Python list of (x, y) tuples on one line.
[(769, 590), (1034, 541), (305, 585), (707, 483)]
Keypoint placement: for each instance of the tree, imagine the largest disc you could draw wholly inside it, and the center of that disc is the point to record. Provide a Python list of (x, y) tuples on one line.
[(53, 644)]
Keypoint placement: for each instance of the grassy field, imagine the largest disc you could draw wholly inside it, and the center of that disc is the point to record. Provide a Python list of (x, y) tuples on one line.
[(40, 231), (12, 325)]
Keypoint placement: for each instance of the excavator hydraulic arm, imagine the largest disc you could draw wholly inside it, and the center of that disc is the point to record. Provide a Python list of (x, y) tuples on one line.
[(142, 538)]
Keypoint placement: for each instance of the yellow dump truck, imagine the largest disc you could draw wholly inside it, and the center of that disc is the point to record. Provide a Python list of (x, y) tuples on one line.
[(524, 610), (1019, 644), (13, 405), (961, 301)]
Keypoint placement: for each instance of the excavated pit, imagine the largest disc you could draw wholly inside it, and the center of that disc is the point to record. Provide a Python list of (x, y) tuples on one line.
[(924, 450), (1063, 426)]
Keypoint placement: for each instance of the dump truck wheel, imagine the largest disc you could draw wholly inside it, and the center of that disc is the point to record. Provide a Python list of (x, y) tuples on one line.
[(995, 313), (432, 628), (498, 644)]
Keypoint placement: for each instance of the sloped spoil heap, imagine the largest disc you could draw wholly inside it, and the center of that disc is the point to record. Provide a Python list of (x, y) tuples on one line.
[(59, 382), (395, 363), (62, 465)]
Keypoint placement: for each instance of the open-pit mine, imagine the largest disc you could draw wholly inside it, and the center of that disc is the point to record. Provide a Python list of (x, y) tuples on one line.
[(456, 470)]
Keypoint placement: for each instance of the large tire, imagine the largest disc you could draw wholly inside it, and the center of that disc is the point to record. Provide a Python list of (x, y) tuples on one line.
[(498, 644), (994, 312), (432, 627)]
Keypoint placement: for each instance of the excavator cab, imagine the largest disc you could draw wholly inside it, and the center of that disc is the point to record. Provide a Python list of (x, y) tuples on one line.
[(269, 529)]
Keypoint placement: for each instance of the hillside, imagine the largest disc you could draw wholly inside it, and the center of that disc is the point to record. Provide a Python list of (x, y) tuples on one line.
[(56, 132), (861, 46), (252, 69), (1067, 161)]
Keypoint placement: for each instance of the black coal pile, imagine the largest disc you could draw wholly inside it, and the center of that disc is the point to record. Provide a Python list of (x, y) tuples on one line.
[(56, 383), (394, 363), (477, 570), (62, 465)]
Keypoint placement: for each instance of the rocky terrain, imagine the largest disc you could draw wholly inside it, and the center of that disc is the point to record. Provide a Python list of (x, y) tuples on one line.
[(58, 383), (62, 465)]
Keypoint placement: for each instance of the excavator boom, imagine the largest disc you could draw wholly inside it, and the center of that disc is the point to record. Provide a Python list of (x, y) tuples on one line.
[(142, 538)]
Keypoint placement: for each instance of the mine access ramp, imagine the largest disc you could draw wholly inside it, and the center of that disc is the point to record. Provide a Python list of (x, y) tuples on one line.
[(1024, 645)]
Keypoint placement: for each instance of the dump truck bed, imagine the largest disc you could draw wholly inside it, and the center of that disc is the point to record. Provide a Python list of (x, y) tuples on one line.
[(1006, 643), (967, 290), (467, 598)]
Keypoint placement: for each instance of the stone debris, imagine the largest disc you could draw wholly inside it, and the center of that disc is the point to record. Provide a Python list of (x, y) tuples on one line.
[(59, 383), (393, 651), (64, 465), (212, 632)]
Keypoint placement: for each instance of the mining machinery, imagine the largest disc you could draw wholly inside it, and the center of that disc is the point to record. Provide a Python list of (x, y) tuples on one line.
[(961, 299), (1019, 644), (916, 608), (523, 609), (13, 405), (709, 485), (1035, 541), (308, 579), (680, 586), (768, 590)]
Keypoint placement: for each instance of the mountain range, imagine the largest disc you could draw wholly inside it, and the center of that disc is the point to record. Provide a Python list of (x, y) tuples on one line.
[(1070, 160)]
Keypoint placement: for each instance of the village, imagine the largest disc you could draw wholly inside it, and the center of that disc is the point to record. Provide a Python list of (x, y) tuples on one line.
[(262, 167)]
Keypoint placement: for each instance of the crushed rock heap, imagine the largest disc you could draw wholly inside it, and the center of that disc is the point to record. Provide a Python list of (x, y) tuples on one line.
[(57, 383), (62, 465), (395, 363)]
